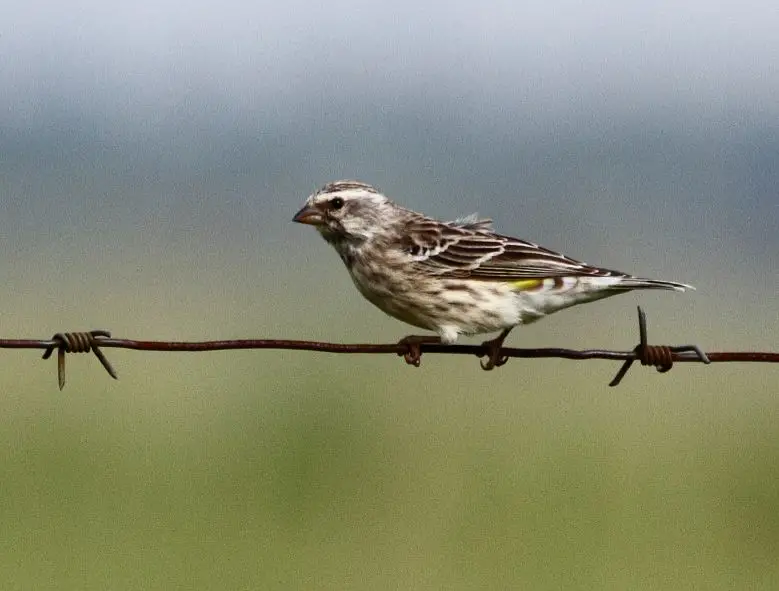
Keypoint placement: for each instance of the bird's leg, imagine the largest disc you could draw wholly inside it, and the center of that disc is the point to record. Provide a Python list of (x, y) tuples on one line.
[(413, 355), (494, 358)]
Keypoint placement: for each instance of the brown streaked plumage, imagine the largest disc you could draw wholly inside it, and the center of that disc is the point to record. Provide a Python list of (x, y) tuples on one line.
[(455, 277)]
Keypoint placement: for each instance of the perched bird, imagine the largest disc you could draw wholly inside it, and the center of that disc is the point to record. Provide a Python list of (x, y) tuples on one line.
[(456, 277)]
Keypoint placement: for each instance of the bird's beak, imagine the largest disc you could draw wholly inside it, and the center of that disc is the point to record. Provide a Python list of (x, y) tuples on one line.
[(309, 215)]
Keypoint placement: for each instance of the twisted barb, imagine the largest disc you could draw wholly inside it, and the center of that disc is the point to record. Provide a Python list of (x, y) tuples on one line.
[(78, 342), (660, 356)]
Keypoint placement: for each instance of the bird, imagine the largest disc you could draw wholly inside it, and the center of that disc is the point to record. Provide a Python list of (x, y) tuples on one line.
[(453, 277)]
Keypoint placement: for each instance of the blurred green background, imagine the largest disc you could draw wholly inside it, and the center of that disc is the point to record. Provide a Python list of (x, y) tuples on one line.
[(151, 157)]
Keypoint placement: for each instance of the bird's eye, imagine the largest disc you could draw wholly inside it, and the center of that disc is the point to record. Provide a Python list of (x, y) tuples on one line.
[(336, 203)]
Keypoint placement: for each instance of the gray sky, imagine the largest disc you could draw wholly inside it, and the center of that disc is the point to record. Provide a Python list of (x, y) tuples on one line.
[(131, 62)]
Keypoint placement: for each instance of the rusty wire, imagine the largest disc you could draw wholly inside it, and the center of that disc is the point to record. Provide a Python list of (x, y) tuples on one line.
[(661, 357)]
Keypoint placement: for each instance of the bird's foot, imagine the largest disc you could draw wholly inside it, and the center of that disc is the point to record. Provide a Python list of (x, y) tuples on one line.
[(413, 343), (494, 358)]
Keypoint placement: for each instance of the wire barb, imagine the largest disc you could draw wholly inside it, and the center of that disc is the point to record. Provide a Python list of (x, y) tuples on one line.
[(78, 342), (659, 356)]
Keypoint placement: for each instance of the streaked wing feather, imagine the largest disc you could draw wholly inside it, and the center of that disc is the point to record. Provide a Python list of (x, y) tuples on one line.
[(472, 222), (459, 251)]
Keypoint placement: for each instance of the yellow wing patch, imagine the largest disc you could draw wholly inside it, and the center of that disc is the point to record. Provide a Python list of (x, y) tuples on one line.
[(527, 284)]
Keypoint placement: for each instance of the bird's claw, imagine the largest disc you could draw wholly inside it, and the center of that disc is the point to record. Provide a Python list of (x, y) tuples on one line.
[(413, 353), (493, 353), (494, 359), (491, 363)]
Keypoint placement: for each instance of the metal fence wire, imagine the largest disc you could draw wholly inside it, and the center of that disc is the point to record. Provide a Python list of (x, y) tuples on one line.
[(661, 357)]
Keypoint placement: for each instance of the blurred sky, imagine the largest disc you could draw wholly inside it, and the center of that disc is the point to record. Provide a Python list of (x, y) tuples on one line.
[(153, 153), (162, 136), (230, 62)]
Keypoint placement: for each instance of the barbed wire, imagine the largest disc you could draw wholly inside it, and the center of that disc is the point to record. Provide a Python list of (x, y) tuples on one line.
[(661, 357)]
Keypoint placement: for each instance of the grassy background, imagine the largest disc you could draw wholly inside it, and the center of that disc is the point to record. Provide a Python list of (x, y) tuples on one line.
[(296, 470)]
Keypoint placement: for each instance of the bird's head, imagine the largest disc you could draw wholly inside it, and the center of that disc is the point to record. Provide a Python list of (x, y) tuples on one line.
[(346, 212)]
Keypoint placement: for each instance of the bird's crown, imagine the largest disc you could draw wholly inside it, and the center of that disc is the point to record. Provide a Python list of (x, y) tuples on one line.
[(347, 185)]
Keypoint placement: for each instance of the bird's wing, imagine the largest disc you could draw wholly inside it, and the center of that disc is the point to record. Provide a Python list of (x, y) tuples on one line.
[(472, 222), (446, 249)]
